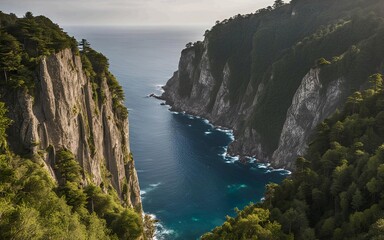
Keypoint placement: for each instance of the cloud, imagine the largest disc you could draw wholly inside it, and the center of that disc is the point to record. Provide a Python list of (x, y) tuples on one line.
[(134, 12)]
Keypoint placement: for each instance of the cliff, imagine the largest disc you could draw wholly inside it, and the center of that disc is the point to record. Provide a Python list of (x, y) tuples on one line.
[(311, 104), (61, 114), (65, 159), (267, 77), (342, 165)]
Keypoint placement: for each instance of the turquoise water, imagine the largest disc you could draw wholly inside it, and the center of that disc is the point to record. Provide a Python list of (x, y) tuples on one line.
[(185, 178)]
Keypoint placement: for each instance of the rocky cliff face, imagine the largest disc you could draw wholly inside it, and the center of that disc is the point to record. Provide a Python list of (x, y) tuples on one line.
[(203, 100), (259, 74), (311, 104), (61, 113)]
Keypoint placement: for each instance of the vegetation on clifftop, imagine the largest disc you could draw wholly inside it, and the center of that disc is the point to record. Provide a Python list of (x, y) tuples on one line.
[(23, 42), (269, 52), (32, 204), (96, 67), (337, 189)]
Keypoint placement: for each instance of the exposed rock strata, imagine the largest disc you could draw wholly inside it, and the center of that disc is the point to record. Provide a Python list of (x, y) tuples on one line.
[(311, 104), (61, 114)]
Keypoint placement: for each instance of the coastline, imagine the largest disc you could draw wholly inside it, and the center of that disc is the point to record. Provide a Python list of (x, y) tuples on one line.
[(228, 155)]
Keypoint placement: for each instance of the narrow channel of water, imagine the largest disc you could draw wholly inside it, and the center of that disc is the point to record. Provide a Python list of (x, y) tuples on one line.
[(185, 178)]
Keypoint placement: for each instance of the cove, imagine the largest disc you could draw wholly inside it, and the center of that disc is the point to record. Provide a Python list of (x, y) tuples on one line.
[(186, 180)]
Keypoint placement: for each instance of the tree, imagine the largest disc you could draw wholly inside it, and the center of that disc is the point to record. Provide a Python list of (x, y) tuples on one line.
[(4, 124), (269, 193), (85, 45), (302, 163), (327, 228), (377, 81), (289, 217), (278, 3), (376, 231), (127, 225), (24, 224), (68, 168), (357, 221), (74, 196), (337, 131), (10, 53), (355, 100), (357, 200), (28, 15), (188, 45), (373, 186)]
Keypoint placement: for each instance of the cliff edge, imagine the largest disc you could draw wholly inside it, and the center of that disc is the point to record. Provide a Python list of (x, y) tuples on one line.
[(65, 139), (274, 75), (61, 114)]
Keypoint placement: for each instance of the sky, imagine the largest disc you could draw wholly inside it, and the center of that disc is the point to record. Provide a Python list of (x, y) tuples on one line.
[(134, 12)]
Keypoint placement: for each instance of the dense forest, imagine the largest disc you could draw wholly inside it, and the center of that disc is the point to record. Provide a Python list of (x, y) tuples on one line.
[(23, 42), (32, 204), (270, 51), (336, 191)]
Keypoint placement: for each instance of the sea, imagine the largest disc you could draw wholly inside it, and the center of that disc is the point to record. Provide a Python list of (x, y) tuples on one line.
[(187, 180)]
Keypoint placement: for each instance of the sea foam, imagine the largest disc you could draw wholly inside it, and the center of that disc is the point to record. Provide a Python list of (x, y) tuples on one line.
[(149, 189), (161, 232)]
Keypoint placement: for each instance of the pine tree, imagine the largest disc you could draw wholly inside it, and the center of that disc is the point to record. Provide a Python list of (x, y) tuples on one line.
[(278, 3), (10, 53), (85, 45)]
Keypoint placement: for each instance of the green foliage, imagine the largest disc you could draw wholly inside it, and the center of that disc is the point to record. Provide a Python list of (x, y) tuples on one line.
[(377, 81), (251, 223), (10, 53), (127, 224), (93, 199), (336, 191), (4, 124), (31, 209), (23, 41), (32, 204), (67, 167), (96, 68), (268, 54)]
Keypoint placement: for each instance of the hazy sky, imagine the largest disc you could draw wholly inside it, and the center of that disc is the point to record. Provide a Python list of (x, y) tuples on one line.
[(134, 12)]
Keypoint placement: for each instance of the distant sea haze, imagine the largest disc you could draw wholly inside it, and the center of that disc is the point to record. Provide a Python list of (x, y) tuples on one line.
[(186, 179)]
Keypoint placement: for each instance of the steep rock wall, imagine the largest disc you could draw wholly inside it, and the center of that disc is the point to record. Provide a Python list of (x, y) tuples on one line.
[(251, 71), (62, 114), (203, 100), (311, 104)]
